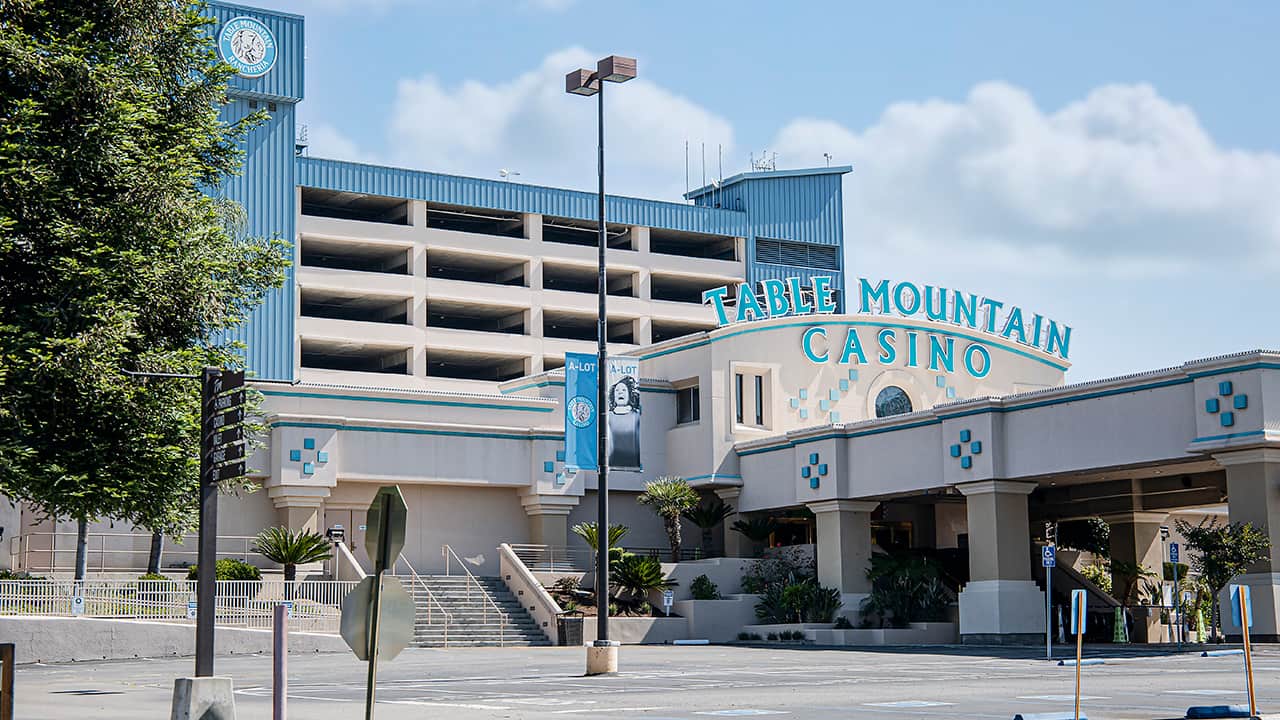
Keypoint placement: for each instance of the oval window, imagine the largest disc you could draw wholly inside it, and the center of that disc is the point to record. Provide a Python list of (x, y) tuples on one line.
[(892, 400)]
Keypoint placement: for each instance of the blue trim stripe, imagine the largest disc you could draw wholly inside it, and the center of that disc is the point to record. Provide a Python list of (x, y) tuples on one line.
[(714, 476), (405, 401), (413, 431), (993, 342), (1229, 436)]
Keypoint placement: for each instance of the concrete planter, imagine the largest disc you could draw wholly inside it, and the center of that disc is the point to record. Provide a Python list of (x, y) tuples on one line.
[(934, 633), (717, 620), (640, 630)]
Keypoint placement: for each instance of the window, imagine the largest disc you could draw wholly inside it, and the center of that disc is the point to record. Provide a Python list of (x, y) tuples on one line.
[(759, 400), (753, 410), (737, 397), (687, 405), (892, 400)]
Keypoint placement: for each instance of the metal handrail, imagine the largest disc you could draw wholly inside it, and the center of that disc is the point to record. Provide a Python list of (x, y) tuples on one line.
[(416, 579), (97, 544), (503, 618), (553, 558)]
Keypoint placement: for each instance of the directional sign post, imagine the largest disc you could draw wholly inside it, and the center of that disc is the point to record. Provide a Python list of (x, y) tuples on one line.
[(377, 617), (1242, 615), (222, 451)]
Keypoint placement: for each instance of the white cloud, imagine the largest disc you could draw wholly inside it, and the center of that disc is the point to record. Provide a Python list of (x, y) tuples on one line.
[(1121, 184), (326, 141), (528, 123)]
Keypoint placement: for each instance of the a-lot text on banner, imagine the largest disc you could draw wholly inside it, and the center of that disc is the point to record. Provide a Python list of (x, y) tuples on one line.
[(580, 411), (623, 413)]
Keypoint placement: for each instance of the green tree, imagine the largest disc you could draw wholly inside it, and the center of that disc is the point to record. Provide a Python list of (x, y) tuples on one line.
[(757, 529), (1221, 551), (670, 496), (589, 531), (115, 254), (1091, 535), (707, 516)]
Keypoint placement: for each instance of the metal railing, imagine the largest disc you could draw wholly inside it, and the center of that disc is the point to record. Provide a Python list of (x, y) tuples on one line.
[(433, 605), (121, 552), (503, 618), (554, 558), (317, 604)]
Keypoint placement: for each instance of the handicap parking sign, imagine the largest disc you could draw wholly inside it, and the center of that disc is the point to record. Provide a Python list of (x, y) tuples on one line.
[(1049, 556), (191, 610), (77, 605), (1173, 552)]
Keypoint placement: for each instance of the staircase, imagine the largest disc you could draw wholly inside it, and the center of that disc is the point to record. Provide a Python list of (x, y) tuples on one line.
[(466, 610)]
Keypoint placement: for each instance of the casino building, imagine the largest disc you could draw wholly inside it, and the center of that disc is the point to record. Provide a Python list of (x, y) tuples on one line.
[(427, 317)]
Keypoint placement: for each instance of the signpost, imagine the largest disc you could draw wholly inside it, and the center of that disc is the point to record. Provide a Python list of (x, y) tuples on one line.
[(668, 598), (377, 617), (222, 451), (1181, 626), (1048, 558), (1242, 614)]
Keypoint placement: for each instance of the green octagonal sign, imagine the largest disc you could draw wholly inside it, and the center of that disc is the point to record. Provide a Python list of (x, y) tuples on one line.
[(384, 536)]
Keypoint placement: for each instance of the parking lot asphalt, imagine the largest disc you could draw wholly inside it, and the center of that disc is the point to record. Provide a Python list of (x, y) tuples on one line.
[(662, 682)]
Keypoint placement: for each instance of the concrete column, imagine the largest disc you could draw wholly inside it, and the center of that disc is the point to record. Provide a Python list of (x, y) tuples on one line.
[(735, 545), (644, 330), (549, 518), (1135, 538), (533, 226), (300, 517), (1000, 604), (640, 238), (1253, 496), (298, 507), (844, 546)]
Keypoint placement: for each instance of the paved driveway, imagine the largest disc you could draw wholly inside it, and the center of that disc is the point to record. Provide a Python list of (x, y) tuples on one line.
[(689, 683)]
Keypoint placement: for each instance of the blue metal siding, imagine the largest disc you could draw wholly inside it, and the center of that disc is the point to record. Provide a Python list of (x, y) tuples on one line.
[(283, 82), (804, 209), (513, 197), (265, 187)]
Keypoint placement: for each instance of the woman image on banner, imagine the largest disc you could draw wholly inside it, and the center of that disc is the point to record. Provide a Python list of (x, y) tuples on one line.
[(624, 424)]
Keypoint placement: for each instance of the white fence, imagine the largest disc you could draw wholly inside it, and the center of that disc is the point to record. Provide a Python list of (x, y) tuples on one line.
[(317, 604)]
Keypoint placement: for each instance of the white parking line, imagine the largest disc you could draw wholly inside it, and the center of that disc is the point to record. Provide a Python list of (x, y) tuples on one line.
[(1204, 692), (605, 710), (1062, 698), (908, 704)]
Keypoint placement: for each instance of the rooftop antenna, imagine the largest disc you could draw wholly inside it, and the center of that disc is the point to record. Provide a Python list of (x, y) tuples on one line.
[(686, 167), (828, 157), (704, 164), (768, 162), (720, 172), (506, 174)]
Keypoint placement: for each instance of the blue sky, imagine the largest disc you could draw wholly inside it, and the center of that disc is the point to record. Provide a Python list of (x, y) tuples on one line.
[(1114, 165)]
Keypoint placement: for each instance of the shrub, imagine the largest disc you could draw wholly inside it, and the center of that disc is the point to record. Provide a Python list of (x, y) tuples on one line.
[(152, 576), (21, 575), (749, 637), (783, 570), (1098, 572), (905, 588), (842, 623), (229, 569), (633, 576), (773, 637), (703, 589)]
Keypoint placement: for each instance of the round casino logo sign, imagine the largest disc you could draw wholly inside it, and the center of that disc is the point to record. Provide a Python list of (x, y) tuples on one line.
[(248, 46), (581, 411)]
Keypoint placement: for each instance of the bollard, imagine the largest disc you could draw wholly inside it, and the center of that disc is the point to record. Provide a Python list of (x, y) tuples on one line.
[(6, 681), (280, 663)]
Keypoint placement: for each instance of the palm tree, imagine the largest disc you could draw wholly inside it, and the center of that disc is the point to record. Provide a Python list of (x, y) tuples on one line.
[(588, 531), (291, 549), (707, 516), (757, 530), (670, 496)]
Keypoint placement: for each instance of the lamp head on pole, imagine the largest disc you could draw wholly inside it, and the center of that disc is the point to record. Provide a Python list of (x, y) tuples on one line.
[(616, 68), (581, 82)]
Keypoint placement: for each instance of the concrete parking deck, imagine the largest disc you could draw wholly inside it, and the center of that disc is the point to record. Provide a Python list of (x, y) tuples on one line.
[(660, 683)]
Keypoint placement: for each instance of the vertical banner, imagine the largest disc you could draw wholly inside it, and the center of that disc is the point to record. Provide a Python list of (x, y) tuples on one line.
[(623, 413), (1078, 602), (580, 416)]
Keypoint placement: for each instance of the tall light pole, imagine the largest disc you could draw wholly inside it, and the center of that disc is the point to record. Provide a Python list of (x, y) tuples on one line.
[(584, 82)]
